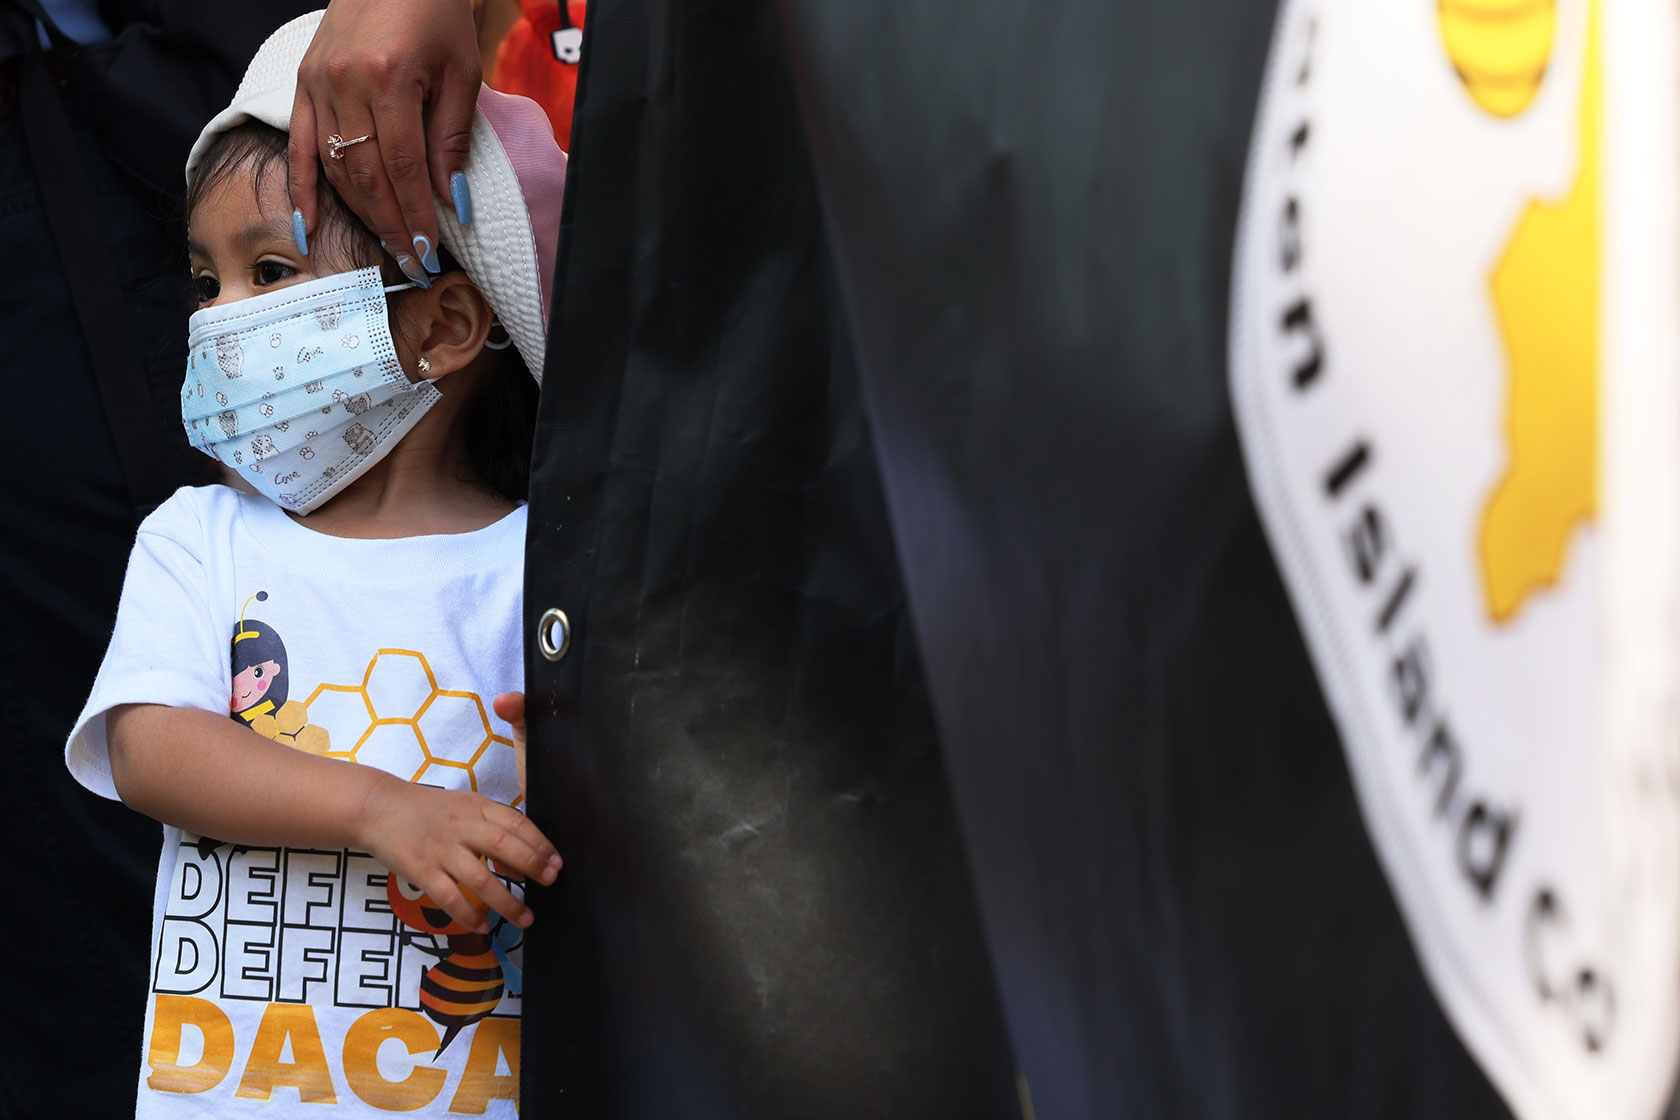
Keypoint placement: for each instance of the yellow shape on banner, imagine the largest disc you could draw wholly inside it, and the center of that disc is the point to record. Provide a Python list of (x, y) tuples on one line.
[(1500, 49), (1546, 294)]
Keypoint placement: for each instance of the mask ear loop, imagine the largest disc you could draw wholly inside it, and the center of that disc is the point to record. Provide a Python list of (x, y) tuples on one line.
[(425, 364)]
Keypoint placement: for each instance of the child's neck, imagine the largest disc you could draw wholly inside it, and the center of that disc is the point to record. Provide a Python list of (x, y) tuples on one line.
[(425, 486)]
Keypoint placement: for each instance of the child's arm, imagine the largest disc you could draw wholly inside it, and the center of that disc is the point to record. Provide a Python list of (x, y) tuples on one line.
[(203, 772)]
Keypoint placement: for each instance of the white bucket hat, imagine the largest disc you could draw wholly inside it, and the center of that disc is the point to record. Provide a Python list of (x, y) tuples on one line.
[(515, 170)]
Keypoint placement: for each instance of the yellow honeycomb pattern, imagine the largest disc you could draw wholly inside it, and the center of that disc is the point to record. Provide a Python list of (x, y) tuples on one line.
[(412, 727), (290, 725)]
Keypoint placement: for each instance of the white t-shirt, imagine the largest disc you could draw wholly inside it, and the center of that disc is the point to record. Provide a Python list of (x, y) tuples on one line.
[(283, 977)]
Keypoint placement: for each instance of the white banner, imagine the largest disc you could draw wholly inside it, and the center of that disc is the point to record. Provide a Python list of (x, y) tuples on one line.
[(1455, 364)]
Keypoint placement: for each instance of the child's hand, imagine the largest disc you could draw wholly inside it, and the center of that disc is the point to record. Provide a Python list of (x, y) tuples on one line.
[(511, 707), (438, 839)]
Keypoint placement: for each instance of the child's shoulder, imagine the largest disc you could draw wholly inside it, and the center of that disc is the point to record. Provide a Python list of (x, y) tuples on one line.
[(186, 514)]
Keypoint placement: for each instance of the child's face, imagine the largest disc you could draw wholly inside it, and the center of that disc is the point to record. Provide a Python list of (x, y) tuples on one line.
[(251, 684), (240, 241)]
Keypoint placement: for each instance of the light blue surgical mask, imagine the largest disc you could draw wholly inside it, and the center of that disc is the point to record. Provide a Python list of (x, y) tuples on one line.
[(299, 389)]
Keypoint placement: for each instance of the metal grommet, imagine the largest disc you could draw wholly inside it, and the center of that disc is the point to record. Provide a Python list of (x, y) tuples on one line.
[(554, 634)]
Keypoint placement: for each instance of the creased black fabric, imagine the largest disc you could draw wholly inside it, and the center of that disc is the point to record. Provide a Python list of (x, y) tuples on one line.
[(765, 909), (1032, 209)]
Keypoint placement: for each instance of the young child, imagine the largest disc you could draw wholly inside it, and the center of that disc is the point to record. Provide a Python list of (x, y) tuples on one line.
[(314, 686)]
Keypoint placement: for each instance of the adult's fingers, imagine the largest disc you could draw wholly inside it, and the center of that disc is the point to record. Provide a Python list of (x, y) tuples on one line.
[(398, 124), (361, 180), (303, 167), (449, 138), (386, 67)]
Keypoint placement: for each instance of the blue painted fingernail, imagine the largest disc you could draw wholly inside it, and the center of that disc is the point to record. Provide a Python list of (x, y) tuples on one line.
[(414, 272), (428, 255), (462, 194), (299, 234)]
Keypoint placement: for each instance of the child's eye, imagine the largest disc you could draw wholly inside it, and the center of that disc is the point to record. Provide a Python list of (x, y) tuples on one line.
[(257, 673), (271, 272), (206, 288)]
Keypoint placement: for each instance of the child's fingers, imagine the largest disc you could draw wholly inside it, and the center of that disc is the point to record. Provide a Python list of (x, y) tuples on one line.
[(442, 888), (510, 706), (516, 845), (476, 877)]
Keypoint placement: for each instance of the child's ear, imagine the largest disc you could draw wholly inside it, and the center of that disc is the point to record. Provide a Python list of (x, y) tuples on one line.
[(453, 323)]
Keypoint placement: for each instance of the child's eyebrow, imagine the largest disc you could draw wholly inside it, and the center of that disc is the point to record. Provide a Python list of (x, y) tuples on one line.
[(250, 237)]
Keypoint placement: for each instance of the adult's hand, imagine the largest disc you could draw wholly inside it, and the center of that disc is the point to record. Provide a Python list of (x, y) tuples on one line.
[(407, 73)]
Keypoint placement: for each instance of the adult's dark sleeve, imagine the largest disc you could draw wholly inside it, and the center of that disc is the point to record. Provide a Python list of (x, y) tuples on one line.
[(765, 909), (172, 65)]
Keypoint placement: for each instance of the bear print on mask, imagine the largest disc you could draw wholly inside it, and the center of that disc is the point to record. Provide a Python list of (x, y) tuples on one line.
[(230, 357), (361, 440), (230, 422), (263, 446), (355, 405)]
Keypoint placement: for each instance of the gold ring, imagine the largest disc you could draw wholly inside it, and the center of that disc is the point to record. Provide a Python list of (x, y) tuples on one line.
[(336, 144)]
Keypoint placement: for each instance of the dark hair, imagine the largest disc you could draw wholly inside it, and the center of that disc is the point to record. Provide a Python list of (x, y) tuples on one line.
[(501, 419)]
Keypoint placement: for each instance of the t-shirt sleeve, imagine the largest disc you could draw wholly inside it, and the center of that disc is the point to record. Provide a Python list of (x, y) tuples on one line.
[(165, 647)]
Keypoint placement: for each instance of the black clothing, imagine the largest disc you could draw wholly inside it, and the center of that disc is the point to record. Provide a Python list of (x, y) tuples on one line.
[(84, 867), (1030, 211), (765, 909)]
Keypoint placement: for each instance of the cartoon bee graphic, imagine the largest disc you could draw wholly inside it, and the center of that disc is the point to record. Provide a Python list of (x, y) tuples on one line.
[(467, 982), (260, 679)]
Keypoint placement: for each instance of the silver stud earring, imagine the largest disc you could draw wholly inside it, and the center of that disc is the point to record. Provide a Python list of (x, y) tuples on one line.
[(425, 364)]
